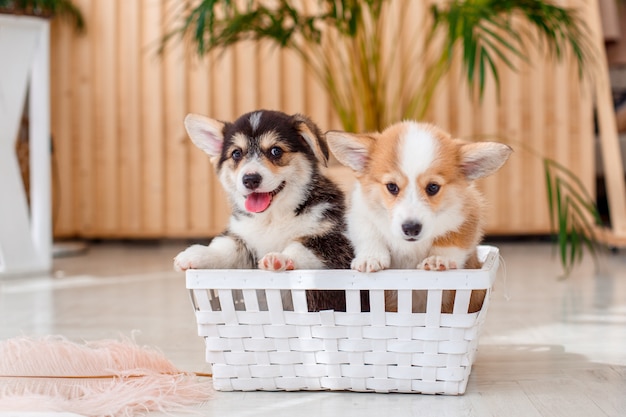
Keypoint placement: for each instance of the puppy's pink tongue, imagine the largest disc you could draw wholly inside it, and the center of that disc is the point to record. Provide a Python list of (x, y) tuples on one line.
[(258, 202)]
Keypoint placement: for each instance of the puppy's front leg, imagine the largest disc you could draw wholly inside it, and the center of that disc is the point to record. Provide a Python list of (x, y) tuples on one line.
[(222, 253), (444, 258), (371, 258), (295, 256), (276, 261), (371, 254), (370, 250)]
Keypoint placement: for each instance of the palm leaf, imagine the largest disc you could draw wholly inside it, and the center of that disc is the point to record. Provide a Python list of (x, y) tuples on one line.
[(559, 28), (483, 30), (65, 9), (550, 193), (572, 215)]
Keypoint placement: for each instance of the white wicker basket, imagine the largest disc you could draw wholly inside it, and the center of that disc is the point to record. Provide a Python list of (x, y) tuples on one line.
[(254, 343)]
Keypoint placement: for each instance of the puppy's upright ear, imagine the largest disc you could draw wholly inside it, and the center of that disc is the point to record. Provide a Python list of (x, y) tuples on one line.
[(351, 149), (207, 134), (313, 137), (481, 159)]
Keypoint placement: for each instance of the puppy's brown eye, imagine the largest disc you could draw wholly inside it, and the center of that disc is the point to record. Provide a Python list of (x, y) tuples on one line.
[(237, 155), (393, 188), (432, 188), (276, 152)]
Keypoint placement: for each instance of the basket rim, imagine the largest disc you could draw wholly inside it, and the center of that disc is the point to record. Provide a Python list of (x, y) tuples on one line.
[(347, 279)]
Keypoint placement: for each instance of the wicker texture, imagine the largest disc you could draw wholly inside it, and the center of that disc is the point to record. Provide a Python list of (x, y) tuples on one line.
[(261, 337)]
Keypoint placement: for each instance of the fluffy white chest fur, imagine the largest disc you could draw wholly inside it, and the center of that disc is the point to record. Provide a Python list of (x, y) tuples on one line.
[(274, 230)]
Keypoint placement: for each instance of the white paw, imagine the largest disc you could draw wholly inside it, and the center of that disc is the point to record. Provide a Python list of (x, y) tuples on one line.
[(275, 261), (437, 263), (194, 257), (371, 263)]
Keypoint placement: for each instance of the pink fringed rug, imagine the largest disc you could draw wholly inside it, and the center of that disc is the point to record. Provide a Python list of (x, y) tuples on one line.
[(103, 378)]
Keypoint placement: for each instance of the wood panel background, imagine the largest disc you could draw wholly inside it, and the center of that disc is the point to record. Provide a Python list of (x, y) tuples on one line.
[(124, 167)]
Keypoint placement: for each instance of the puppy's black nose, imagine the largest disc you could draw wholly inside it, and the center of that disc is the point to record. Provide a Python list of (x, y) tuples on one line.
[(411, 229), (252, 181)]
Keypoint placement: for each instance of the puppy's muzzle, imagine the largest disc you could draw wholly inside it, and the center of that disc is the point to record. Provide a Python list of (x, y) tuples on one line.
[(411, 230), (252, 181)]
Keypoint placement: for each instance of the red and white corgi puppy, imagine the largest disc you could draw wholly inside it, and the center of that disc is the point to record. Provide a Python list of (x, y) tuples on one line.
[(415, 204)]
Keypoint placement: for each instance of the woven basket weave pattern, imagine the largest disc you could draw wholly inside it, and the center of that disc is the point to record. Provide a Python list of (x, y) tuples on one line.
[(260, 337)]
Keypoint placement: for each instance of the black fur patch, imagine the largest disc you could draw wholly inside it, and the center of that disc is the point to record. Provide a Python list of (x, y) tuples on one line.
[(334, 247), (284, 126)]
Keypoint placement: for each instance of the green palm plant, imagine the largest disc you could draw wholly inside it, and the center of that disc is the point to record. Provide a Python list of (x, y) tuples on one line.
[(573, 214), (65, 9), (343, 44)]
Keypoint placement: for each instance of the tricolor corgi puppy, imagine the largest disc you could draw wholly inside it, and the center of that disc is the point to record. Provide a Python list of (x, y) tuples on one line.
[(286, 214), (414, 204)]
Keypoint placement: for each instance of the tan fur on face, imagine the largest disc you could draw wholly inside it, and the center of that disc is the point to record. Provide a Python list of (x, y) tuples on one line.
[(266, 141), (446, 171), (381, 168)]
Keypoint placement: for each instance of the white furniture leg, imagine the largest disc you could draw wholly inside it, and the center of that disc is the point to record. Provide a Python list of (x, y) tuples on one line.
[(25, 234)]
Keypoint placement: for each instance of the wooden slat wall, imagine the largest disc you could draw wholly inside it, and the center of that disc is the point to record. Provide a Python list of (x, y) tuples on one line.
[(125, 168)]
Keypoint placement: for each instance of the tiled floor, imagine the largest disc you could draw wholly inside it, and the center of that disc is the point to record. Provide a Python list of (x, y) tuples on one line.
[(549, 347)]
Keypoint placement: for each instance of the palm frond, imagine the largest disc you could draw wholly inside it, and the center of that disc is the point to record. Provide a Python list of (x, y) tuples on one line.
[(573, 215), (65, 9), (485, 29)]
